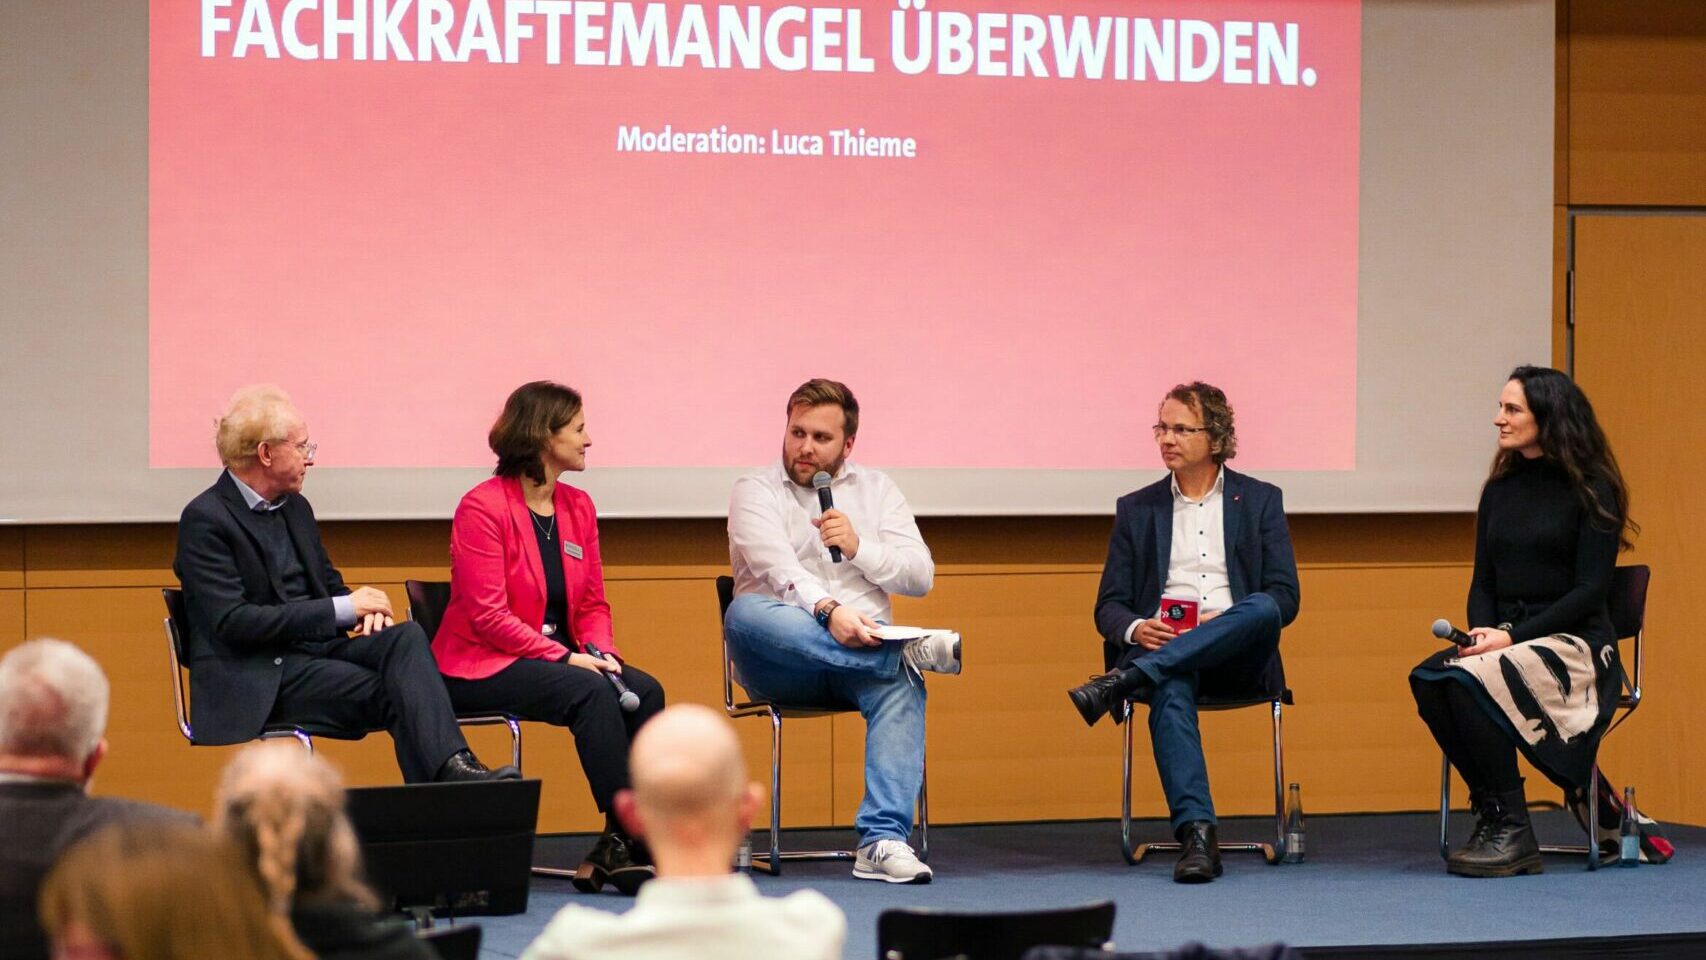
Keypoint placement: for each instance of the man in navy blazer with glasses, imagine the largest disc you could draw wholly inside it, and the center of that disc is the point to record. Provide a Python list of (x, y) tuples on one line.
[(1203, 534)]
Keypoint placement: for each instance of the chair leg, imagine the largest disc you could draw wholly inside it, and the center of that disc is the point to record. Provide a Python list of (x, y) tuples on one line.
[(1444, 807), (1593, 818), (514, 741), (1133, 855), (773, 863), (1277, 852), (924, 814)]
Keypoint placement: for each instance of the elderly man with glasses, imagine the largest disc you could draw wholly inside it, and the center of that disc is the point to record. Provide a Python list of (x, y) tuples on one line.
[(1199, 575), (274, 635)]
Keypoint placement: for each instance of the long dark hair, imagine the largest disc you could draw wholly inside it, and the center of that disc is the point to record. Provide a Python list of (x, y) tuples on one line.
[(1571, 436), (530, 416)]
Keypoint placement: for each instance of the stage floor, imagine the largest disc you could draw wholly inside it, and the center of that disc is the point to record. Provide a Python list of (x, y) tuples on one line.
[(1368, 879)]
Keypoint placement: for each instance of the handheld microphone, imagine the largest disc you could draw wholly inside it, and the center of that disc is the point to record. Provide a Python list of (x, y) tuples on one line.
[(825, 501), (1445, 631), (629, 700)]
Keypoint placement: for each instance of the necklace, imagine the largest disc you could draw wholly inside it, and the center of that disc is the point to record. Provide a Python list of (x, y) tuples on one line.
[(548, 529)]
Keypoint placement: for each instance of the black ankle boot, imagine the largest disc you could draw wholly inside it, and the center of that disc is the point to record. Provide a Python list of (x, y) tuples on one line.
[(1106, 693), (1503, 844), (612, 860)]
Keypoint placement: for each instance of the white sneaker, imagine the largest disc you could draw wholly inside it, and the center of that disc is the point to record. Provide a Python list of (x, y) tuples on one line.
[(890, 861), (938, 652)]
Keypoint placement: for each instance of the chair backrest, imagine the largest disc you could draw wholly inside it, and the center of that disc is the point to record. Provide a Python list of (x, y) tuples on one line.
[(1627, 602), (934, 934), (461, 942), (726, 596), (177, 625), (1627, 605), (427, 602)]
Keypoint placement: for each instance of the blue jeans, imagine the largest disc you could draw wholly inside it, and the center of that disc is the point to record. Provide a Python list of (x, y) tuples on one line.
[(1248, 629), (783, 656)]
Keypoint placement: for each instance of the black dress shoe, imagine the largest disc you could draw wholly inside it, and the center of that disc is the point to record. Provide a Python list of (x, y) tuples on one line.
[(464, 767), (617, 860), (1101, 694), (1199, 861)]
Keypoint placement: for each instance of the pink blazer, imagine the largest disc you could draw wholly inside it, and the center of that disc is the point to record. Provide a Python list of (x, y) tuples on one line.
[(497, 582)]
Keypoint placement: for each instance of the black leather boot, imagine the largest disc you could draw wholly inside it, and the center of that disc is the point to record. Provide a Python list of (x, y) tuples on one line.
[(1503, 844), (1477, 836), (1103, 693), (1199, 860), (612, 861)]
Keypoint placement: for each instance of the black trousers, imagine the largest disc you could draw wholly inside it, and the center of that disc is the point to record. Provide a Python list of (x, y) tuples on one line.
[(1474, 742), (574, 697), (388, 680)]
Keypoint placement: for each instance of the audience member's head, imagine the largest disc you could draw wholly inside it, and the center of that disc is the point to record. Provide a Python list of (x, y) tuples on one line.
[(691, 799), (283, 810), (152, 891), (53, 711)]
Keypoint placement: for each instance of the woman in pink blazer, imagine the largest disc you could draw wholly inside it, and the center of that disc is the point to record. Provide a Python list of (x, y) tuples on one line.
[(528, 630)]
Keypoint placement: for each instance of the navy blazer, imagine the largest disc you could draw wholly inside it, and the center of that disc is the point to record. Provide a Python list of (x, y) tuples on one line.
[(1258, 554), (240, 625)]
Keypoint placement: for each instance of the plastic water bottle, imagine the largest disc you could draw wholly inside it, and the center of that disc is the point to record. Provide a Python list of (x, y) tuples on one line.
[(743, 856), (1629, 833), (1293, 824)]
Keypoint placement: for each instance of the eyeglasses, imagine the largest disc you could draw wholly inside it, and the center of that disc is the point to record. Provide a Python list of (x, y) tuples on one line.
[(1178, 430), (304, 447)]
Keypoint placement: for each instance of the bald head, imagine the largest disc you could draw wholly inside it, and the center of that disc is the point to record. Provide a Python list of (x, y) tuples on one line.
[(686, 763)]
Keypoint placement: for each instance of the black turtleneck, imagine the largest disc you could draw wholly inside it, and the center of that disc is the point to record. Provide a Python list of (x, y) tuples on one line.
[(1543, 561)]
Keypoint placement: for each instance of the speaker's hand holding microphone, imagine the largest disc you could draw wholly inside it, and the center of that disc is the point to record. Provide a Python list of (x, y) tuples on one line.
[(612, 669), (1477, 641), (833, 526)]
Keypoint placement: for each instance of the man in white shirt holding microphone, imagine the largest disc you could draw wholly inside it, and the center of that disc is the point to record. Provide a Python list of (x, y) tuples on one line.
[(812, 589)]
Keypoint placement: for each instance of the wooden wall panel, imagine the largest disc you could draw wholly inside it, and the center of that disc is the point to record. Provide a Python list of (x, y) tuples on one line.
[(1637, 102), (1641, 304), (11, 557)]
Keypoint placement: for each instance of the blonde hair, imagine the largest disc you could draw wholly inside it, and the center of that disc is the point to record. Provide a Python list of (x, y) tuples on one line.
[(283, 809), (256, 414), (53, 701), (154, 891)]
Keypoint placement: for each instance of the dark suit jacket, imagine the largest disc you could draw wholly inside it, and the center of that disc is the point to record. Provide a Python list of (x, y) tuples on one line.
[(240, 625), (1258, 554), (38, 821)]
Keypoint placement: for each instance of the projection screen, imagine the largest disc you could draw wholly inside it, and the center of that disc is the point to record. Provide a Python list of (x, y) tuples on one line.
[(1010, 228)]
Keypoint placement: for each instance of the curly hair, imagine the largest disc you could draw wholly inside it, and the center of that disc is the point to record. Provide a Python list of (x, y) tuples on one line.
[(1570, 435), (284, 810), (1208, 402)]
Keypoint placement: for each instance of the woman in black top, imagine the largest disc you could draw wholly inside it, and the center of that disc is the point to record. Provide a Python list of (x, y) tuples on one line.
[(1542, 675)]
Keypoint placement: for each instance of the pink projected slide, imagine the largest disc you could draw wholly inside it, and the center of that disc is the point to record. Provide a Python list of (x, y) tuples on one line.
[(1010, 227)]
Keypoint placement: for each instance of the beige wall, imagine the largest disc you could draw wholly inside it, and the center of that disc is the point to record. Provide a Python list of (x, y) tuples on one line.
[(1004, 744)]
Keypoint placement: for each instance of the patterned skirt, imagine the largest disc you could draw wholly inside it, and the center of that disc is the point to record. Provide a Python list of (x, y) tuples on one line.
[(1554, 696)]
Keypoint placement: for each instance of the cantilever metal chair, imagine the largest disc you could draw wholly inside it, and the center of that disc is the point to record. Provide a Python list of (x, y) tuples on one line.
[(1268, 690), (176, 624), (1627, 604), (771, 862)]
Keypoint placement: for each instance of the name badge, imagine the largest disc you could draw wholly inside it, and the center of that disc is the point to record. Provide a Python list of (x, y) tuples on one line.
[(572, 549)]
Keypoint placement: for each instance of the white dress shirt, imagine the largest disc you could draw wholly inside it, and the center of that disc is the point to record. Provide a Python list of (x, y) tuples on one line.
[(777, 553), (709, 918), (1196, 564)]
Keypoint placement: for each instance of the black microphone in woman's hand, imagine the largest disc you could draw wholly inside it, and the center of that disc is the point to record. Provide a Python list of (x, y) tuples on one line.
[(1445, 631), (629, 700)]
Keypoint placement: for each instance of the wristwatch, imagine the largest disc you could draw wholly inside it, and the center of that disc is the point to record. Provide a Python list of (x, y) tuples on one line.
[(824, 611)]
